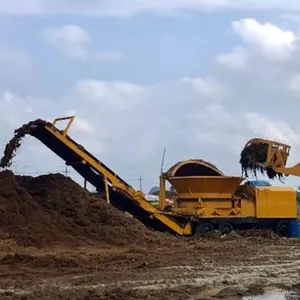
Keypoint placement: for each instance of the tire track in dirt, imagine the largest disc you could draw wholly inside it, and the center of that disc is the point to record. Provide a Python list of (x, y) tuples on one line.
[(236, 276), (271, 266)]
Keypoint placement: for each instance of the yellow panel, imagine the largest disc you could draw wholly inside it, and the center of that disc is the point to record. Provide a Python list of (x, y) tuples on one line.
[(208, 212), (214, 203), (206, 207), (248, 208), (275, 188), (206, 184), (219, 196), (276, 202)]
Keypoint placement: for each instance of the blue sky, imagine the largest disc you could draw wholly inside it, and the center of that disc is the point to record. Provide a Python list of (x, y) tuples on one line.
[(154, 48), (200, 83)]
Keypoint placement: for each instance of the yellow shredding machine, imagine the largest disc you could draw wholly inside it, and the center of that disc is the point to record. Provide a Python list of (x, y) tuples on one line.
[(215, 201)]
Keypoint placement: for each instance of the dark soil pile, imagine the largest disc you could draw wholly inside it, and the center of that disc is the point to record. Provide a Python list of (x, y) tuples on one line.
[(253, 154), (53, 209), (13, 145)]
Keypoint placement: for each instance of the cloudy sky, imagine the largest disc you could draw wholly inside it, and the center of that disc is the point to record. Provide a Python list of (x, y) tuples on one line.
[(199, 77)]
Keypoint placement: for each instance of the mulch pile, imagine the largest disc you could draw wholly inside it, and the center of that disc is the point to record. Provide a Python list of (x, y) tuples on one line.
[(253, 154), (54, 210)]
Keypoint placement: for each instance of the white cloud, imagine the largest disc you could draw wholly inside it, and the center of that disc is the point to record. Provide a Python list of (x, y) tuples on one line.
[(294, 83), (74, 41), (70, 39), (120, 95), (274, 43), (130, 7), (214, 115), (273, 129), (17, 69), (83, 126), (236, 59), (208, 87), (18, 109)]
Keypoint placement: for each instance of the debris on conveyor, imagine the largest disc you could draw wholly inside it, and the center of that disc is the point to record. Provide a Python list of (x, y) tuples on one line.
[(253, 154), (13, 145)]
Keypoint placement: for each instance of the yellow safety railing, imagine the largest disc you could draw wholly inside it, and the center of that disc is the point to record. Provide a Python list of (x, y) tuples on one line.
[(71, 120)]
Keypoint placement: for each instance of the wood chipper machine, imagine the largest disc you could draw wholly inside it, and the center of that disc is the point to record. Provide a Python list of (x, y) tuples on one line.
[(210, 200)]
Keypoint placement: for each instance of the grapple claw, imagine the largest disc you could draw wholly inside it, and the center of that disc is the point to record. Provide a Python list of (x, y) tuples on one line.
[(265, 156)]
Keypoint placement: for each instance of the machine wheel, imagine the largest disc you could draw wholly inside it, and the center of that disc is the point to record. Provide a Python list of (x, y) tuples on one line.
[(282, 228), (203, 228), (225, 228)]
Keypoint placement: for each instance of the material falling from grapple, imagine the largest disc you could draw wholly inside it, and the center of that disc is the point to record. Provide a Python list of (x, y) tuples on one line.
[(253, 154), (13, 145)]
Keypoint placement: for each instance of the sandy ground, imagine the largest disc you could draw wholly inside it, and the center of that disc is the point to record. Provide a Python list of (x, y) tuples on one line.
[(186, 269)]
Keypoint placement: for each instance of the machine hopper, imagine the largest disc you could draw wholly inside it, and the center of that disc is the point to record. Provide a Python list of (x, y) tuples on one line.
[(205, 186)]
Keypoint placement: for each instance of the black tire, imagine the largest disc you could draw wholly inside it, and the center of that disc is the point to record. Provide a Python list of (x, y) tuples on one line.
[(225, 228), (203, 228), (282, 228)]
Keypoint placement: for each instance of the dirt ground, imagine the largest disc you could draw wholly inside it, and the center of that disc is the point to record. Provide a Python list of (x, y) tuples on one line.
[(58, 241), (214, 268)]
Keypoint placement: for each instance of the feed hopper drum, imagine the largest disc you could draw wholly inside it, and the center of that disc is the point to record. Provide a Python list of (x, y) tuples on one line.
[(193, 167)]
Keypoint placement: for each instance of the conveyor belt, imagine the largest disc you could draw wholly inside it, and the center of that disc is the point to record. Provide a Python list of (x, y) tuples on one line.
[(121, 194)]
